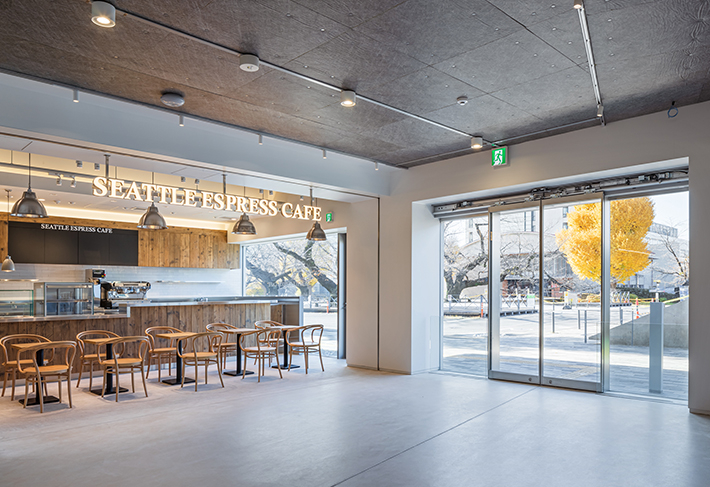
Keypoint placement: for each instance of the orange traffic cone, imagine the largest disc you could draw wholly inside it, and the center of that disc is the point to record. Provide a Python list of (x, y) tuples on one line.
[(637, 308)]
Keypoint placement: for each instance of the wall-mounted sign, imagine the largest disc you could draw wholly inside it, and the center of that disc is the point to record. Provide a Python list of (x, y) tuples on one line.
[(499, 156), (328, 217), (170, 195), (74, 228)]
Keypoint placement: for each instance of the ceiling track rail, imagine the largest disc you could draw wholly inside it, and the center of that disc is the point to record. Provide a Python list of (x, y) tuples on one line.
[(281, 69), (590, 60), (639, 183)]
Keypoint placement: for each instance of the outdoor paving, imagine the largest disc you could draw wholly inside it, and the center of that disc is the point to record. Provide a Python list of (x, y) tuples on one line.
[(567, 355)]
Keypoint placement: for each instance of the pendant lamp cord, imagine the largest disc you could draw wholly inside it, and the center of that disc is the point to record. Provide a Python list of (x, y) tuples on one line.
[(29, 175)]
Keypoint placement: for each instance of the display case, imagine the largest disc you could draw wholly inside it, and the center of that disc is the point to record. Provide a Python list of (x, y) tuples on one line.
[(16, 302), (66, 298)]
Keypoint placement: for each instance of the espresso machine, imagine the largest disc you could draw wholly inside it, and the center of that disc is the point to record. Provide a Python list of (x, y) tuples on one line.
[(111, 294)]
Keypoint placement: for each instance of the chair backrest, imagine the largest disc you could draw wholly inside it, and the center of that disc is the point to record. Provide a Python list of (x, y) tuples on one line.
[(131, 346), (206, 341), (307, 334), (66, 358), (9, 354), (264, 338), (92, 334), (159, 329), (267, 324), (219, 327)]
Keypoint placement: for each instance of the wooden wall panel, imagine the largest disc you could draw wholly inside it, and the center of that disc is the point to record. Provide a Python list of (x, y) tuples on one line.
[(174, 247)]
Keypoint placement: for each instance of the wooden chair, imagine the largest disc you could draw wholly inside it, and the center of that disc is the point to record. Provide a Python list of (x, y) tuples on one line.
[(225, 346), (125, 361), (160, 352), (59, 366), (271, 340), (261, 350), (9, 356), (307, 342), (202, 349), (85, 355)]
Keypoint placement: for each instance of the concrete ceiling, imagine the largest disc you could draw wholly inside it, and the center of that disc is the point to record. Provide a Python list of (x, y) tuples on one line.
[(521, 63)]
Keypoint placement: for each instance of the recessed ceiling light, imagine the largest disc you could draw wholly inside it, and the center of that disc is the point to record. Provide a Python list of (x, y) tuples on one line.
[(249, 63), (103, 14), (172, 99), (347, 98)]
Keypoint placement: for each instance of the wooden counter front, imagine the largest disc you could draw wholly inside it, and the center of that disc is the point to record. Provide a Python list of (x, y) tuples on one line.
[(183, 317)]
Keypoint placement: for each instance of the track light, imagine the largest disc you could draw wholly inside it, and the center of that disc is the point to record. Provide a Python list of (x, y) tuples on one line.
[(347, 98), (181, 121), (261, 140), (377, 166), (183, 179), (97, 166), (59, 179), (325, 155), (76, 96), (600, 110), (578, 4), (73, 182), (476, 142), (79, 164), (249, 63), (103, 14)]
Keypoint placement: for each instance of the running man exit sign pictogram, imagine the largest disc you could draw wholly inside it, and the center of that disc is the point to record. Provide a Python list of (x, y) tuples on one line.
[(499, 156)]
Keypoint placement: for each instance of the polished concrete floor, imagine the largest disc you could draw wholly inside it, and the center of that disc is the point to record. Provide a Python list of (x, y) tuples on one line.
[(354, 427)]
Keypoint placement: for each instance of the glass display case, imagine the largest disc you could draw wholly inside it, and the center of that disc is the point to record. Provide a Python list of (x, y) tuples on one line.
[(16, 302), (65, 298)]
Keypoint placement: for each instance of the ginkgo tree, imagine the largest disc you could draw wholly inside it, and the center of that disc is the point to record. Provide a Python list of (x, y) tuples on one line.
[(581, 241)]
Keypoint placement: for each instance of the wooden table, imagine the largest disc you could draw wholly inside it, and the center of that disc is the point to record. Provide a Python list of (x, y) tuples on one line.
[(284, 330), (178, 361), (109, 355), (40, 361), (239, 332)]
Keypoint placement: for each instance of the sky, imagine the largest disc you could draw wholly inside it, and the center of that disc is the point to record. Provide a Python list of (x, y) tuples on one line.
[(673, 209)]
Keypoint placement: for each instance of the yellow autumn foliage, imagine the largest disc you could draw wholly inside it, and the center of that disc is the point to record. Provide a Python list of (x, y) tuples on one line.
[(581, 241)]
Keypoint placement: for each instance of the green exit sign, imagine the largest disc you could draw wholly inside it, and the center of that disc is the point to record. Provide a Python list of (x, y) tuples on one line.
[(499, 156), (329, 217)]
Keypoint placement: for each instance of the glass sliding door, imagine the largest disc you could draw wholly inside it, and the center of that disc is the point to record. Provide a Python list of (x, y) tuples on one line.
[(571, 293), (465, 295), (514, 289)]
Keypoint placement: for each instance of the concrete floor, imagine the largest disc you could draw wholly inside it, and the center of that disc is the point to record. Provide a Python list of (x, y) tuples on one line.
[(354, 427)]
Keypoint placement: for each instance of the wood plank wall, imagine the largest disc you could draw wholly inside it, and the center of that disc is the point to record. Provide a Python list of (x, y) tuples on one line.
[(174, 247)]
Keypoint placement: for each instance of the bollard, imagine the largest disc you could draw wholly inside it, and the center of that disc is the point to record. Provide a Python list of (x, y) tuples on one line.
[(585, 326), (553, 322), (655, 348), (621, 315), (632, 328), (579, 319)]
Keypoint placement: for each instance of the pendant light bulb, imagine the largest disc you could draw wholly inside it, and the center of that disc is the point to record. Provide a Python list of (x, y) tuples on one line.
[(29, 206), (261, 140), (103, 14)]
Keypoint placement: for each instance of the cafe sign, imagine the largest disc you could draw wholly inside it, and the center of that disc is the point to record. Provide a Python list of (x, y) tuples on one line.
[(170, 195)]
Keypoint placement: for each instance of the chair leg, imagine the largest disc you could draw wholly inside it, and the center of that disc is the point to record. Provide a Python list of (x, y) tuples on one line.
[(59, 386), (219, 371), (69, 387), (207, 363), (118, 384), (321, 359), (305, 356), (290, 359), (182, 384), (41, 394), (150, 361), (81, 370), (133, 382), (27, 388), (244, 369), (145, 389), (14, 376), (91, 373), (103, 387), (160, 366), (197, 368), (4, 383)]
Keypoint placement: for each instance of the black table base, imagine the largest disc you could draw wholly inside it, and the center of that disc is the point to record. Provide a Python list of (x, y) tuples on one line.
[(112, 390), (34, 401), (286, 355), (174, 381), (237, 373)]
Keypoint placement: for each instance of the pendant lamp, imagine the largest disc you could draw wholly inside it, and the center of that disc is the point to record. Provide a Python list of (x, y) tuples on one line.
[(8, 265), (29, 206), (316, 233), (152, 219), (244, 226)]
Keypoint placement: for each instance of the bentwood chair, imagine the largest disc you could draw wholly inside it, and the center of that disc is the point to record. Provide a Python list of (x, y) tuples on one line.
[(89, 356), (202, 349), (271, 341), (58, 366), (307, 342), (130, 359), (9, 356), (226, 346), (261, 350), (159, 352)]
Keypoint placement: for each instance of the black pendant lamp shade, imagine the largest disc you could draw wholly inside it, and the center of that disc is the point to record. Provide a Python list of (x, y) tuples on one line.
[(316, 233), (244, 226), (152, 220), (29, 206)]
